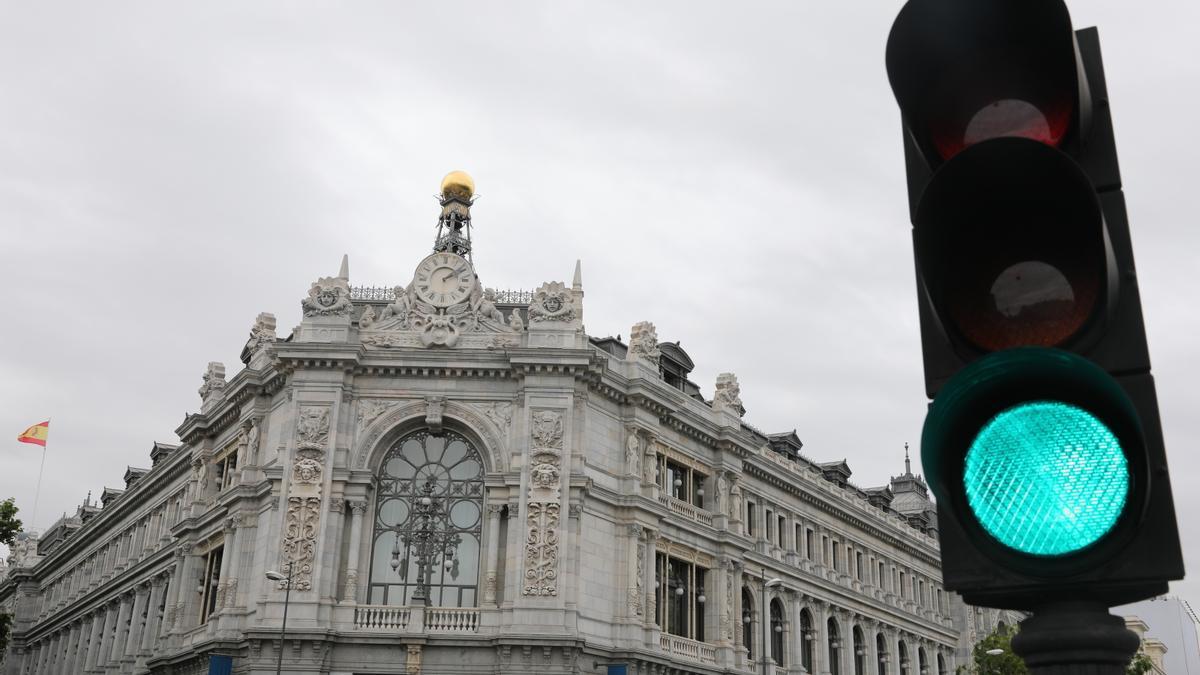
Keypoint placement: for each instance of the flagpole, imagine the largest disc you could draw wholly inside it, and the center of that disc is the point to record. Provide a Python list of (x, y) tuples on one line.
[(37, 493)]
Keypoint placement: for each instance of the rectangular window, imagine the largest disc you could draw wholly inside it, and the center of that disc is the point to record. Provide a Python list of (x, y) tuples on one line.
[(916, 596), (225, 466), (835, 555), (858, 565), (750, 518), (797, 542), (808, 542), (679, 610), (212, 579), (824, 550), (902, 590), (780, 530), (921, 592), (770, 524), (879, 580)]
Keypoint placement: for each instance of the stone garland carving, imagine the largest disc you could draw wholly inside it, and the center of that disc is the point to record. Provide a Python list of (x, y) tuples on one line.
[(304, 496), (635, 591), (552, 301), (643, 342), (328, 296), (543, 509), (728, 395), (213, 378), (727, 621)]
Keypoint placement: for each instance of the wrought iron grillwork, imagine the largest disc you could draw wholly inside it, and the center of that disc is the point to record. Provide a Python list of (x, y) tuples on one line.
[(428, 522), (388, 294)]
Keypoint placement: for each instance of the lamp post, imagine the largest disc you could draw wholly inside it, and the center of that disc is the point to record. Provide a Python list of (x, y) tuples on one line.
[(993, 652), (762, 577), (287, 597), (431, 537)]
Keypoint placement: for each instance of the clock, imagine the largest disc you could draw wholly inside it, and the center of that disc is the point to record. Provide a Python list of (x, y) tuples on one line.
[(444, 279)]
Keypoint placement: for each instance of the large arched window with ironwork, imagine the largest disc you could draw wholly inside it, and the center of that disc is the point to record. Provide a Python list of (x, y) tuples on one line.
[(806, 640), (860, 652), (777, 632), (835, 647), (428, 522)]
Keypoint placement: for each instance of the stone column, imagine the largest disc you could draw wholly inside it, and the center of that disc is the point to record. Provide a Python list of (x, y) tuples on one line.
[(153, 617), (649, 587), (106, 637), (227, 555), (98, 631), (820, 612), (174, 583), (357, 509), (72, 647), (137, 623), (187, 600), (493, 549), (121, 630)]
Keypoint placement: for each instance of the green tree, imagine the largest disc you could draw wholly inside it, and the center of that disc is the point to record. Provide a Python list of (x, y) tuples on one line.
[(9, 525), (1140, 665), (1004, 663)]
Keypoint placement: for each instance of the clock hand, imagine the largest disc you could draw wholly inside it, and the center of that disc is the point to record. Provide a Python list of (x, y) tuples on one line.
[(447, 277)]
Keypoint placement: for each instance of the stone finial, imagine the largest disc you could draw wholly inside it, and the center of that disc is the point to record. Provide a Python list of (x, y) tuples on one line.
[(214, 380), (728, 397), (344, 270), (577, 281), (643, 342)]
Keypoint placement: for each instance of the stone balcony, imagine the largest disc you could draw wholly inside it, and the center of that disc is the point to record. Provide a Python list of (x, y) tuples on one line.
[(417, 620), (701, 652), (684, 509)]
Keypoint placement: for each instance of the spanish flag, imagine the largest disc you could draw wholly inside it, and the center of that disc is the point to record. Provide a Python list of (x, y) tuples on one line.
[(36, 434)]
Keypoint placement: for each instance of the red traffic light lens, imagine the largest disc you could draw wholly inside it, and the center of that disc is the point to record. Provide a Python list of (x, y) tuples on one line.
[(967, 72), (1009, 117), (1010, 241)]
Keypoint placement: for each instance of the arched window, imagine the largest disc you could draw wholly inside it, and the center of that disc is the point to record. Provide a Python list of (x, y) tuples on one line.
[(941, 663), (748, 622), (904, 669), (777, 631), (881, 653), (860, 652), (806, 640), (835, 643), (428, 508), (921, 662)]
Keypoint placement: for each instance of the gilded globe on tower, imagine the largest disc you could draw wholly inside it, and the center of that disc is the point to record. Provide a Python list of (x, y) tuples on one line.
[(458, 184)]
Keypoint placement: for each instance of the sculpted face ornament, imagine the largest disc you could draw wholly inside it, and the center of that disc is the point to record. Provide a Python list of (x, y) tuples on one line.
[(553, 304)]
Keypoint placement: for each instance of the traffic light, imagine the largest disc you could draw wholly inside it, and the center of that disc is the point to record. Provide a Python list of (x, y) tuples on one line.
[(1042, 444)]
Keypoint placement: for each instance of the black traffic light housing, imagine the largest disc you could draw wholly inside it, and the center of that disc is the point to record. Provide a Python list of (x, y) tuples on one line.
[(1021, 239)]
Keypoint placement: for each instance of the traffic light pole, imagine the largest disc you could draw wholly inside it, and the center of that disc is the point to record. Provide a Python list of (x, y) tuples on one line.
[(1075, 638)]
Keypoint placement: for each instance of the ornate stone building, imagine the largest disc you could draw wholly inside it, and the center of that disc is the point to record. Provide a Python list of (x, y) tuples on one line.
[(451, 479)]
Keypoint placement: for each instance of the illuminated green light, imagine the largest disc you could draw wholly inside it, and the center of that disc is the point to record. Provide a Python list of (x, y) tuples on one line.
[(1046, 478)]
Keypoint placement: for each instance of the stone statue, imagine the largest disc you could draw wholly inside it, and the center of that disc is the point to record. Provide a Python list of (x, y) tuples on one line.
[(367, 318), (487, 307), (633, 453), (398, 309), (515, 321)]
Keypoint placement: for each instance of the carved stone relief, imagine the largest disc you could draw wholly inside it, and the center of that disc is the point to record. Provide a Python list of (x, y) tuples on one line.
[(370, 409), (544, 504), (213, 380), (728, 396), (633, 452), (643, 342), (639, 572), (552, 301), (410, 322), (301, 522), (328, 296)]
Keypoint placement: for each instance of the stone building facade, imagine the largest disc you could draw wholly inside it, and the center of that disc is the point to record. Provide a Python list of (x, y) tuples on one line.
[(455, 480)]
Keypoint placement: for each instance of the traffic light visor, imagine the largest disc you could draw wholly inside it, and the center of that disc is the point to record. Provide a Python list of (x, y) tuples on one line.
[(1010, 245), (967, 72)]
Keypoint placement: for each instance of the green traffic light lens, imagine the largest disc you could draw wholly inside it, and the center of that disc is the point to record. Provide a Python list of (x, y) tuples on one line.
[(1046, 478)]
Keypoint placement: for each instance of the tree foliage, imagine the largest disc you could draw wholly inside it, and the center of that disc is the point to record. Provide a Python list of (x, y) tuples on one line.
[(1006, 663), (9, 525), (1140, 665)]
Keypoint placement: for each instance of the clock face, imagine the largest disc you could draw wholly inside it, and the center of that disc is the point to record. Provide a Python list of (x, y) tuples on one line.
[(444, 279)]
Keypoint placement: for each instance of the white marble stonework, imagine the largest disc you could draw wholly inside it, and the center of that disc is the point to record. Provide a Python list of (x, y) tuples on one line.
[(570, 499)]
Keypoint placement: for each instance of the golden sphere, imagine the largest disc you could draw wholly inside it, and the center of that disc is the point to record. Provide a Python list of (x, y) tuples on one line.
[(458, 184)]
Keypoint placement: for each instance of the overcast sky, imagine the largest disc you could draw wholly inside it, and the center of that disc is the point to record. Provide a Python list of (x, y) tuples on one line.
[(730, 171)]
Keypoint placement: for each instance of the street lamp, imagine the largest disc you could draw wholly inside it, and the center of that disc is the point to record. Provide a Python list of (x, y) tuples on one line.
[(762, 575), (430, 535), (287, 597)]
